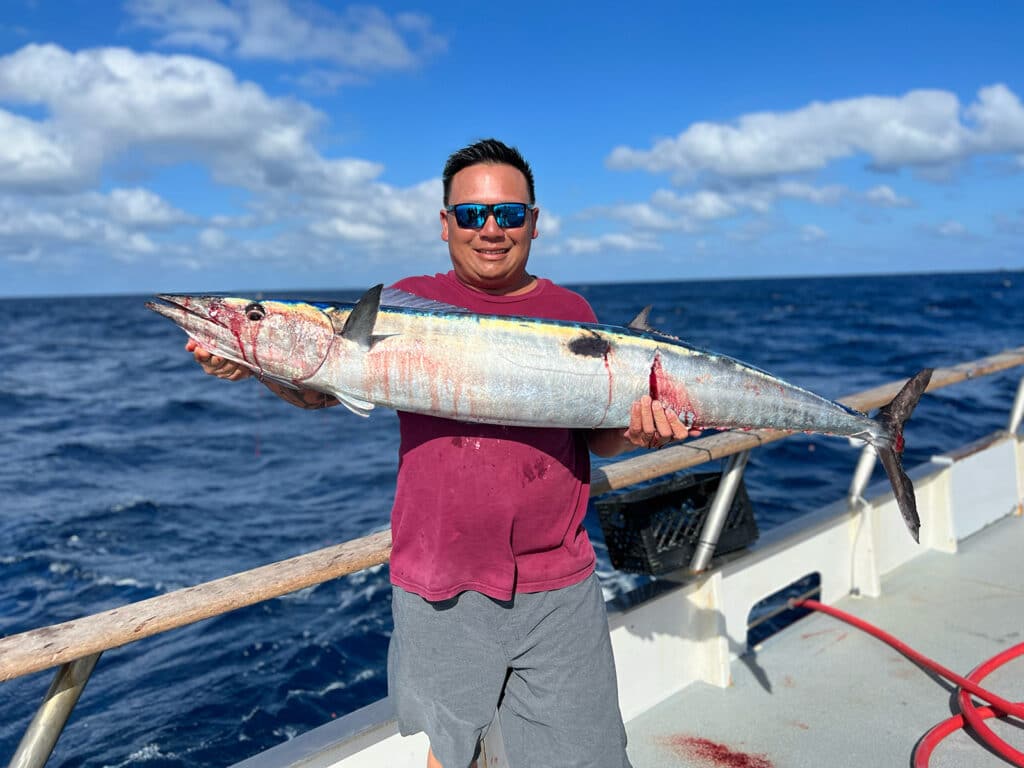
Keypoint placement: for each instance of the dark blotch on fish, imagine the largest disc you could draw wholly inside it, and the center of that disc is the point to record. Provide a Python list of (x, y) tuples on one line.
[(590, 345)]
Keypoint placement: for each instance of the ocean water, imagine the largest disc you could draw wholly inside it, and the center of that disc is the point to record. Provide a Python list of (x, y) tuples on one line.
[(125, 473)]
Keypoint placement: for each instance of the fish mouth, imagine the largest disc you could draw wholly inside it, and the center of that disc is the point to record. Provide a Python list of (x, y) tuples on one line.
[(180, 308), (198, 317)]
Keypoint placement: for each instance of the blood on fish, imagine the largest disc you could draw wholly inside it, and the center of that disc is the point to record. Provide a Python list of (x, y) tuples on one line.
[(399, 367), (235, 322), (671, 393), (611, 385)]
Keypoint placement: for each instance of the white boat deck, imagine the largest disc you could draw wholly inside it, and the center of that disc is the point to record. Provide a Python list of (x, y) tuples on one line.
[(821, 693)]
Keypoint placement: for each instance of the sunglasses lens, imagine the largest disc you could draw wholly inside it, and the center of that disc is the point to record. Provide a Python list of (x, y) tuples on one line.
[(471, 215), (474, 215), (510, 215)]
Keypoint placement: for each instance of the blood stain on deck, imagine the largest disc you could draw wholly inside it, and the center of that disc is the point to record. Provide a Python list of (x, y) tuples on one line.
[(711, 753)]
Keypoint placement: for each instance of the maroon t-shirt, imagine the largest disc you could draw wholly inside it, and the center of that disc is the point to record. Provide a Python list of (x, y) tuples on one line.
[(488, 508)]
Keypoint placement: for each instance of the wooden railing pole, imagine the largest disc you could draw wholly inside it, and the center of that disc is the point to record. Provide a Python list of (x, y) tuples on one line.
[(52, 646)]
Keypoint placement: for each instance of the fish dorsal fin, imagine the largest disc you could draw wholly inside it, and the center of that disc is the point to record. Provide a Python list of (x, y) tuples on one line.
[(639, 323), (360, 321), (396, 297)]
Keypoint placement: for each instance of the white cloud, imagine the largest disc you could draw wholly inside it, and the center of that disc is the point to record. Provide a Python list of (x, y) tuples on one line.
[(951, 228), (90, 111), (827, 195), (29, 157), (213, 238), (549, 224), (999, 119), (639, 215), (104, 103), (885, 196), (360, 37), (741, 170), (811, 233), (612, 241), (69, 226), (350, 229), (704, 205), (919, 128), (381, 215), (143, 208), (669, 211)]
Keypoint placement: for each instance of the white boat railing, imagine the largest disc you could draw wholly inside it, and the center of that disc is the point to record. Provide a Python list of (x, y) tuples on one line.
[(75, 646)]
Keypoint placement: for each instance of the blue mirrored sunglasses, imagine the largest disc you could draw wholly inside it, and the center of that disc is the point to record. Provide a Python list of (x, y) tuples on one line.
[(474, 215)]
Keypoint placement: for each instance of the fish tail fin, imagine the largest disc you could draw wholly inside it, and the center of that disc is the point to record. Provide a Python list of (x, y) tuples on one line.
[(889, 445)]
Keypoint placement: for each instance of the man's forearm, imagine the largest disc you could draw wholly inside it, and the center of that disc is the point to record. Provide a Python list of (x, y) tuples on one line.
[(608, 442)]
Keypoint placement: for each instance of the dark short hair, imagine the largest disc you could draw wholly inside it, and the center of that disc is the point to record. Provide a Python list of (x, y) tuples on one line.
[(488, 152)]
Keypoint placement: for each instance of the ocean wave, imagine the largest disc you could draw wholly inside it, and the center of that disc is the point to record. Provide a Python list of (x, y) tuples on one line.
[(118, 487), (146, 754)]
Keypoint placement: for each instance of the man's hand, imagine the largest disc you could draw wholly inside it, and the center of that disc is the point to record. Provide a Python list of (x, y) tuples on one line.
[(217, 366), (232, 371), (652, 425)]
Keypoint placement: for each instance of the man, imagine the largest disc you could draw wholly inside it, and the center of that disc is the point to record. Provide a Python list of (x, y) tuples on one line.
[(495, 600)]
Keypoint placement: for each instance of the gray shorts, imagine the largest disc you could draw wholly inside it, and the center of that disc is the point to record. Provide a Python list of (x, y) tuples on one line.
[(542, 660)]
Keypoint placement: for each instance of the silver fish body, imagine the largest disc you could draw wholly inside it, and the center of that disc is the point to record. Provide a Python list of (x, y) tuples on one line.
[(527, 372), (519, 371)]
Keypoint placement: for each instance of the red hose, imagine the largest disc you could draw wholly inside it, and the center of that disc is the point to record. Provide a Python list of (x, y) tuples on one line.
[(971, 715)]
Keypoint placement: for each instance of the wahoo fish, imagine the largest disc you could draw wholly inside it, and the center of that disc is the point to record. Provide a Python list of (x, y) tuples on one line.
[(401, 351)]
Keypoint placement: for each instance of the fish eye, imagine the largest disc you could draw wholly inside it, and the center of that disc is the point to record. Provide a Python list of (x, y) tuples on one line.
[(255, 312)]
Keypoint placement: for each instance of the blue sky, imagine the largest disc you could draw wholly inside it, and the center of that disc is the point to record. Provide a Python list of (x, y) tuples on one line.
[(214, 145)]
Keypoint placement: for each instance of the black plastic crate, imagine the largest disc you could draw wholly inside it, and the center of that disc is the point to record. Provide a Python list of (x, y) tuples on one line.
[(656, 529)]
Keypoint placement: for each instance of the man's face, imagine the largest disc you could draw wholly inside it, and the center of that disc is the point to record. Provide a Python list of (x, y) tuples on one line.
[(491, 258)]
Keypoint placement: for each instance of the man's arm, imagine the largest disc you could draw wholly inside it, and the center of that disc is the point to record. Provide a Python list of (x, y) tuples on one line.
[(232, 371), (651, 425)]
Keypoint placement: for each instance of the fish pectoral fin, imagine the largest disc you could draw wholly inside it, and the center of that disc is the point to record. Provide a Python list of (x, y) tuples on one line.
[(286, 383), (358, 406)]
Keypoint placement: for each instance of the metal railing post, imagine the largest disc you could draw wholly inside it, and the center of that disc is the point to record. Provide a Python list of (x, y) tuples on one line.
[(719, 511), (862, 474), (1017, 412), (41, 736)]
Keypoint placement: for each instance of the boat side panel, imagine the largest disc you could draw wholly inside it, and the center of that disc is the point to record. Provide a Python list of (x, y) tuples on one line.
[(984, 487)]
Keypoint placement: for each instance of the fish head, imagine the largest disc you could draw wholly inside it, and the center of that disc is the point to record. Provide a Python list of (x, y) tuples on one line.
[(283, 340)]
